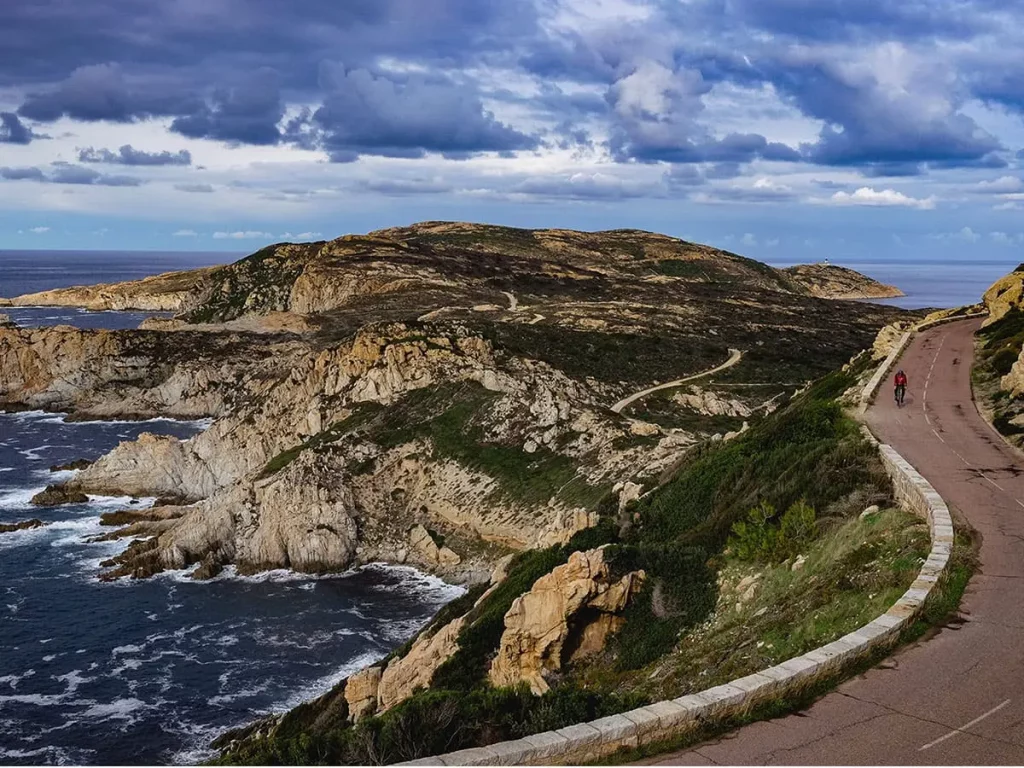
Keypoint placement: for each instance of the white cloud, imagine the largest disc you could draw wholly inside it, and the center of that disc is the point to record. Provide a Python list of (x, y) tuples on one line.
[(1001, 186), (966, 234), (302, 236), (242, 235), (34, 231), (748, 239), (1002, 238), (1011, 205), (186, 233), (881, 197)]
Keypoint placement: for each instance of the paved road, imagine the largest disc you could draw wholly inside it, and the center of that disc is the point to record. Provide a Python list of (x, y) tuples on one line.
[(959, 697), (735, 356)]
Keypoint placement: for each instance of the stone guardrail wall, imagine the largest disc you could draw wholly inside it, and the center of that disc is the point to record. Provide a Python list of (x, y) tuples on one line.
[(875, 381), (591, 741)]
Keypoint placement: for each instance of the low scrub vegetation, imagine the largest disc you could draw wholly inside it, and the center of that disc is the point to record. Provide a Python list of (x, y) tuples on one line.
[(998, 348), (755, 551)]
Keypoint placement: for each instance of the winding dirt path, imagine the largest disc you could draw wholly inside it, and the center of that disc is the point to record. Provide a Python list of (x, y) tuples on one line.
[(958, 698), (734, 357)]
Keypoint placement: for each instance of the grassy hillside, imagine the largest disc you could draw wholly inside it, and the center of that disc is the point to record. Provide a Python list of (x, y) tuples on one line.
[(793, 485)]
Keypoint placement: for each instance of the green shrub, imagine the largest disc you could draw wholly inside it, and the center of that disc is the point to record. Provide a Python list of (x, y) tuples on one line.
[(1002, 361), (767, 537)]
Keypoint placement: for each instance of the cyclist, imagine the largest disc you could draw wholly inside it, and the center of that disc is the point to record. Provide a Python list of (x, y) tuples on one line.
[(900, 383)]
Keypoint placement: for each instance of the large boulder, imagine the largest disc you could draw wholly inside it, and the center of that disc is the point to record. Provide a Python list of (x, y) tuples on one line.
[(569, 613)]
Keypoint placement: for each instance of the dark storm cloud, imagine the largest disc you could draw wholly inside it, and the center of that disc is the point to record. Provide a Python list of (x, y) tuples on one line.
[(18, 174), (364, 113), (128, 155), (104, 92), (845, 20), (247, 113), (201, 188), (13, 131), (253, 72), (67, 173)]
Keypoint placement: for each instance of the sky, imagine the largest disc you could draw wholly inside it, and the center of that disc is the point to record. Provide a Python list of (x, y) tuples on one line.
[(782, 129)]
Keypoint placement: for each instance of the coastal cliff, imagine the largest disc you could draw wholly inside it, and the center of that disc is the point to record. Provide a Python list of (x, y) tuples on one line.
[(449, 377), (567, 423)]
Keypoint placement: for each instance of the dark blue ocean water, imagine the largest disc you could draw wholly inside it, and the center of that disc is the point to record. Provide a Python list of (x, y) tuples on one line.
[(931, 283), (148, 672)]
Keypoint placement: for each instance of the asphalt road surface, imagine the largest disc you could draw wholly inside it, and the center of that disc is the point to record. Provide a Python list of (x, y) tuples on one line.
[(957, 698)]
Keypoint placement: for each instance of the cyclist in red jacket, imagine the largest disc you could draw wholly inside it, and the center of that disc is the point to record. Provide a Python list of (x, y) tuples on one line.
[(900, 383)]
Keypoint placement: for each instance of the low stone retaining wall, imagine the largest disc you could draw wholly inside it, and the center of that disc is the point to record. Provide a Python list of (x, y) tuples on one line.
[(670, 719)]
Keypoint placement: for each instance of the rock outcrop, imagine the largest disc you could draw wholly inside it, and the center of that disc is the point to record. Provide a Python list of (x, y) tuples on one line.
[(711, 403), (55, 495), (361, 693), (1005, 294), (362, 411), (24, 525), (415, 670), (567, 614), (829, 281)]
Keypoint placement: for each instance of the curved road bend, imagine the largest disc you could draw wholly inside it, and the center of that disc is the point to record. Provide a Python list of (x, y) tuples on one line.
[(959, 697)]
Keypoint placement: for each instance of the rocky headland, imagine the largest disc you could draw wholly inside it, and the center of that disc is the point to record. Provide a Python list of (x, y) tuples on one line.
[(441, 395), (830, 281)]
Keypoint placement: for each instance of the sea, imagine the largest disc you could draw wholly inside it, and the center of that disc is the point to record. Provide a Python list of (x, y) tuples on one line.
[(930, 283), (151, 671)]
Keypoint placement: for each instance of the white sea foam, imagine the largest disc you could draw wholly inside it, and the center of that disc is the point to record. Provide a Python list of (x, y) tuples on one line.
[(244, 693), (119, 709), (325, 683), (125, 649), (32, 454), (26, 415), (19, 498), (13, 680), (417, 583)]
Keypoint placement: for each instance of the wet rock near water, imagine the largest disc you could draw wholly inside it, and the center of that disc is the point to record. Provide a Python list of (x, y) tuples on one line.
[(24, 525), (71, 465), (56, 495)]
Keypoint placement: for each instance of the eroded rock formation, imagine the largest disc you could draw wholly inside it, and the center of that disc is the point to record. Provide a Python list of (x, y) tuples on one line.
[(567, 614)]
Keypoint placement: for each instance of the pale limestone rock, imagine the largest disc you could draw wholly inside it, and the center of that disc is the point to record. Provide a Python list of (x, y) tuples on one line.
[(628, 492), (643, 428), (887, 339), (711, 404), (537, 625), (361, 693), (415, 670), (1005, 294), (500, 571), (448, 557), (1013, 382), (422, 543)]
